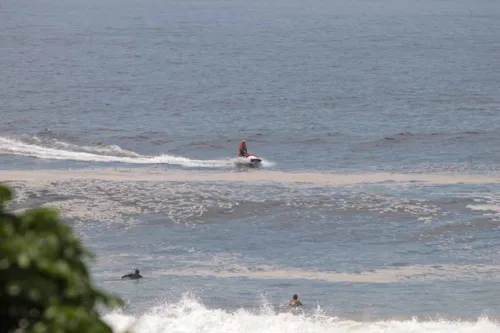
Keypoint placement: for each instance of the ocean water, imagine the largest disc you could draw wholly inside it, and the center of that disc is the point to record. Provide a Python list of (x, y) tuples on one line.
[(377, 120)]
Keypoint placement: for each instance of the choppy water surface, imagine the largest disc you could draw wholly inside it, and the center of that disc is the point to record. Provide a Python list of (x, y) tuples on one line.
[(377, 122)]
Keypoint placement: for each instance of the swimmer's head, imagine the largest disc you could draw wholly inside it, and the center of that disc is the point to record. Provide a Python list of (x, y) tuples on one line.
[(136, 271), (295, 296)]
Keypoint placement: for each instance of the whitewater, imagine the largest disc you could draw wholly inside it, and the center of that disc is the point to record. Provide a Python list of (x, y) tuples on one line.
[(189, 316)]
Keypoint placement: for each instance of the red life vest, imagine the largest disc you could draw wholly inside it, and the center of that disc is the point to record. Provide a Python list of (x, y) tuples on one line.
[(243, 149)]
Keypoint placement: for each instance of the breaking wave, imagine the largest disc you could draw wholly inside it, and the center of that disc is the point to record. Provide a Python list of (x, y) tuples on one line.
[(52, 149), (189, 315)]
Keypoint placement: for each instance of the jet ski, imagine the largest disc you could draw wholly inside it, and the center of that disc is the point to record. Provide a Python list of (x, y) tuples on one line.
[(255, 161), (250, 160)]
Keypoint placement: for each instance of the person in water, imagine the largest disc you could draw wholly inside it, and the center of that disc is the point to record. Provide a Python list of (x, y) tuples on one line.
[(295, 301), (133, 276), (242, 151)]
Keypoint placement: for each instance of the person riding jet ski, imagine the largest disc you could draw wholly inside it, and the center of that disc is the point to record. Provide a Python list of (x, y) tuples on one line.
[(242, 151)]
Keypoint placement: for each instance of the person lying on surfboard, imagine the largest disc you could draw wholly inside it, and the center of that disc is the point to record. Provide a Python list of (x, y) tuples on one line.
[(242, 151), (133, 276)]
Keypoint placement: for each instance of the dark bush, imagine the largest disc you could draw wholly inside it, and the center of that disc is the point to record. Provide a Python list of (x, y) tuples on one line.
[(44, 282)]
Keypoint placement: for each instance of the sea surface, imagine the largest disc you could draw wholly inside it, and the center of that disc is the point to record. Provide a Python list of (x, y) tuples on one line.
[(378, 122)]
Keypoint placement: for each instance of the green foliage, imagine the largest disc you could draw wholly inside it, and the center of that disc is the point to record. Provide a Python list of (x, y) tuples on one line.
[(44, 282)]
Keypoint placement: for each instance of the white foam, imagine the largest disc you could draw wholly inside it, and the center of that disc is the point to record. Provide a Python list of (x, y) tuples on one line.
[(486, 208), (57, 150), (190, 316), (486, 202), (99, 149), (104, 197)]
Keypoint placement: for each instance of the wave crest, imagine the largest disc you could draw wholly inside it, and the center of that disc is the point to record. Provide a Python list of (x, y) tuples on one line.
[(189, 315)]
